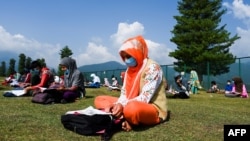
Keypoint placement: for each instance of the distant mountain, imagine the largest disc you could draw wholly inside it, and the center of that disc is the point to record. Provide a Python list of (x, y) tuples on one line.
[(6, 56), (112, 65)]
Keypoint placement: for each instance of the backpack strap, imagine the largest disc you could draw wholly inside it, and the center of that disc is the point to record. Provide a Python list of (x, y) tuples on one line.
[(115, 125)]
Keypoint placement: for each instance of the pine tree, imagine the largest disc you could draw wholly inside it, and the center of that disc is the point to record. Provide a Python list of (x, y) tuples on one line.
[(11, 68), (201, 39), (28, 61), (3, 69), (21, 64), (65, 52)]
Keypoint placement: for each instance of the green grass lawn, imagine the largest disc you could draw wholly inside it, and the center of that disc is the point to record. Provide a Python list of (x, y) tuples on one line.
[(200, 118)]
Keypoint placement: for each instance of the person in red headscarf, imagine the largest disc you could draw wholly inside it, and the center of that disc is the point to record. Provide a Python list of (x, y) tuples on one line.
[(143, 98)]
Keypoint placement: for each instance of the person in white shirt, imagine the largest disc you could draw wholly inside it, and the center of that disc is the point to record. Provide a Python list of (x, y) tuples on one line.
[(115, 84), (96, 82)]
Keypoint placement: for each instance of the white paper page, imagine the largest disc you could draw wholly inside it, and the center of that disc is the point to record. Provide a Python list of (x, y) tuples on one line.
[(88, 111)]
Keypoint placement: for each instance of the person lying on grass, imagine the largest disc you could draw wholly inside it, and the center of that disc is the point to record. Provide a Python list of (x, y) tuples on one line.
[(143, 98)]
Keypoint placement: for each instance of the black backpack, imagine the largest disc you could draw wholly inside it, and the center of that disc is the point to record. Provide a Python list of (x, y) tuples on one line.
[(87, 125), (48, 96)]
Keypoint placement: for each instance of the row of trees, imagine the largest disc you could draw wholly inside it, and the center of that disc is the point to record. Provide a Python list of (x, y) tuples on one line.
[(24, 63)]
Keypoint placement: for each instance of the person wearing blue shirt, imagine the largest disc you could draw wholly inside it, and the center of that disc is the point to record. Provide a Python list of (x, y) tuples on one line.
[(228, 87)]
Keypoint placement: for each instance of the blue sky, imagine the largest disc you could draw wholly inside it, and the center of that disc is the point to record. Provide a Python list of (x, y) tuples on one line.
[(95, 29)]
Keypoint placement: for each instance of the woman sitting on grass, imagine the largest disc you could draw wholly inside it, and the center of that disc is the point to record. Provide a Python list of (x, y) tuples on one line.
[(214, 88), (143, 98), (180, 89), (40, 73), (73, 85), (115, 84), (96, 82), (238, 90)]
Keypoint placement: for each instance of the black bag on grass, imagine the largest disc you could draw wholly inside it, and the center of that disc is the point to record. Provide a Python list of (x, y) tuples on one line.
[(42, 98), (47, 96), (103, 125)]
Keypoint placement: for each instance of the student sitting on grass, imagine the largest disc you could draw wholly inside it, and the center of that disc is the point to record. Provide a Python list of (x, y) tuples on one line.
[(214, 88), (238, 89), (228, 87), (9, 79), (73, 87), (24, 80), (40, 77), (115, 84), (106, 82), (143, 98), (96, 82), (46, 77), (180, 89)]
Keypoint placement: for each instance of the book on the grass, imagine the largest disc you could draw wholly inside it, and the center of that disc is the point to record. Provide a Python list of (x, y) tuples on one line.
[(16, 92), (23, 92)]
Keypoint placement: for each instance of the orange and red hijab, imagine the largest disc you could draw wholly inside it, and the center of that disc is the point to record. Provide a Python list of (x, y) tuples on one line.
[(137, 48)]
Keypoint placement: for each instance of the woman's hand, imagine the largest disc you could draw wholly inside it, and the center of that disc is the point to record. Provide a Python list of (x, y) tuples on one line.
[(108, 108), (27, 89), (117, 110), (60, 88)]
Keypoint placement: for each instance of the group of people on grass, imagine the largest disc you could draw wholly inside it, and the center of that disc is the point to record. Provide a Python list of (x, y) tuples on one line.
[(142, 99), (16, 78), (234, 88), (182, 88), (96, 82), (69, 89), (112, 86)]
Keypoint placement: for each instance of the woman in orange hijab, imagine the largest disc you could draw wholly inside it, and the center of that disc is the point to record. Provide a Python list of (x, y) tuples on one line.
[(142, 100)]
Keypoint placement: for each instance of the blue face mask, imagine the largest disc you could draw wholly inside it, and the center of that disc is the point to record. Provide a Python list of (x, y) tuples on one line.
[(66, 72), (130, 62)]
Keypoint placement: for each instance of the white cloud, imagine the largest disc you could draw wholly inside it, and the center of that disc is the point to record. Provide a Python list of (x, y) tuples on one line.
[(18, 44), (95, 54), (126, 31), (241, 47), (241, 12), (158, 52)]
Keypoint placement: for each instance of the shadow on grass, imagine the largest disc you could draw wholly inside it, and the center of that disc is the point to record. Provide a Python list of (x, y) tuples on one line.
[(87, 96)]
